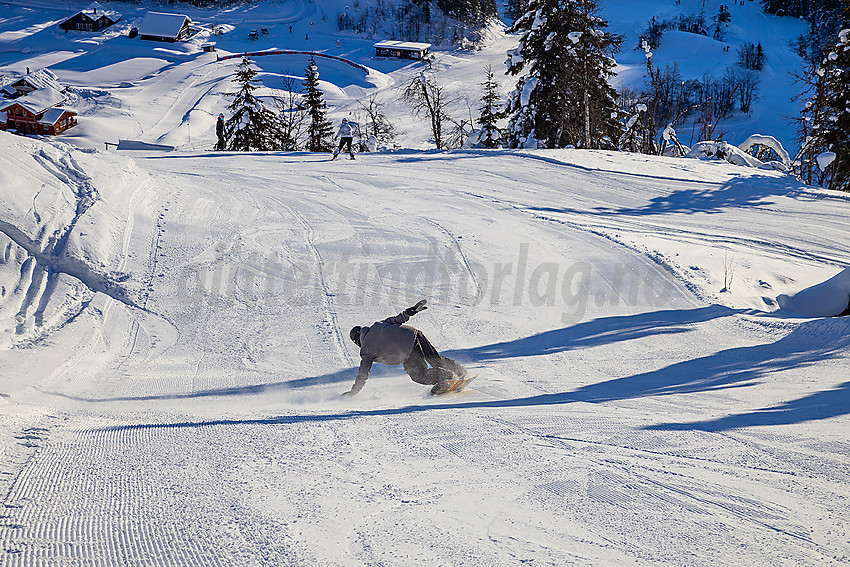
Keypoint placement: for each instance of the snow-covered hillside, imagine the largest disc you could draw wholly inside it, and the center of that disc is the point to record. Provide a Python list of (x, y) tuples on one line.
[(171, 93), (628, 411), (660, 379), (697, 55)]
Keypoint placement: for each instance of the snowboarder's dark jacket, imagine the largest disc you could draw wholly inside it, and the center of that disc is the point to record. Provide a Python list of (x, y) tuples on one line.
[(387, 342), (219, 127)]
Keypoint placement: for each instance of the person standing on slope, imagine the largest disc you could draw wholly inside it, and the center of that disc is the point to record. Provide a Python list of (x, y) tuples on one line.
[(219, 131), (391, 342), (345, 135)]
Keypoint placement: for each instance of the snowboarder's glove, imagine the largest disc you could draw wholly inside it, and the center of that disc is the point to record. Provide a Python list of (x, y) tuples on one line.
[(411, 311), (355, 388)]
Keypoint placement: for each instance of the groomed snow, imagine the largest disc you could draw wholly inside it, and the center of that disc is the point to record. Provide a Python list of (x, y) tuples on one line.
[(627, 412), (654, 387)]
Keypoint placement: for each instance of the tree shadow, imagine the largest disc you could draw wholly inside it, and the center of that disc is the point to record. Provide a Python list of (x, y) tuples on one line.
[(346, 375), (602, 331), (752, 191), (819, 405), (810, 343)]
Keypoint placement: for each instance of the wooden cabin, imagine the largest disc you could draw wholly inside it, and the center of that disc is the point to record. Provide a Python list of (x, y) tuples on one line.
[(25, 84), (159, 26), (90, 20), (37, 113), (402, 49)]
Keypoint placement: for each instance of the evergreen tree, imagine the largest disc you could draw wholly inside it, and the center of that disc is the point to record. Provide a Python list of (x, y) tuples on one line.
[(490, 136), (251, 126), (563, 96), (320, 129), (471, 12), (824, 125), (752, 56)]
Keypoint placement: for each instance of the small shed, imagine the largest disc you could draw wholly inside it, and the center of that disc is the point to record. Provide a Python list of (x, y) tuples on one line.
[(144, 146), (402, 49), (91, 19), (37, 113), (160, 26)]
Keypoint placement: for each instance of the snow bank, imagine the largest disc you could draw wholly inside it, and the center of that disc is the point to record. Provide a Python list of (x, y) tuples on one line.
[(740, 155), (723, 150), (826, 299)]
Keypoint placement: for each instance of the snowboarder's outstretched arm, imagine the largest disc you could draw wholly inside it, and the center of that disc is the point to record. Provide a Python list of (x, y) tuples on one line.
[(406, 314)]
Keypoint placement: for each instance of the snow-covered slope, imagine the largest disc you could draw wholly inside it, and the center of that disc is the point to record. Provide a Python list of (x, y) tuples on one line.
[(627, 411), (698, 56), (171, 93), (173, 327)]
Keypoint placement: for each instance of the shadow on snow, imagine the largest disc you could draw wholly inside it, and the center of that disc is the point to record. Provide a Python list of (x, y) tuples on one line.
[(809, 343)]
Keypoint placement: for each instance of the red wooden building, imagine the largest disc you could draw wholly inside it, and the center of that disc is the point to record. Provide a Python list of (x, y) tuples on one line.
[(37, 113)]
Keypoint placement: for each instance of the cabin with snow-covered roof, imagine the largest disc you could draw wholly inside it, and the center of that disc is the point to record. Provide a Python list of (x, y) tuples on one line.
[(160, 26), (25, 84), (402, 49), (37, 113), (91, 19)]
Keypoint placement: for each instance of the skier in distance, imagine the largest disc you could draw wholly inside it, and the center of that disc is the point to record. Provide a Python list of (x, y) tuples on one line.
[(392, 342), (219, 132), (345, 135)]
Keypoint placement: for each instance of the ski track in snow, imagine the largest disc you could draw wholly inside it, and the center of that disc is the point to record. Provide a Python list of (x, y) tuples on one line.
[(201, 424), (242, 454)]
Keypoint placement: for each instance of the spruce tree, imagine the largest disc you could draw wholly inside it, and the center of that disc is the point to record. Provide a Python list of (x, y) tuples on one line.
[(824, 124), (761, 57), (832, 133), (491, 112), (564, 61), (470, 12), (251, 126), (320, 129)]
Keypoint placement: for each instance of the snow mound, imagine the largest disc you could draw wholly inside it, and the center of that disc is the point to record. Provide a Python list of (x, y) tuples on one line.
[(723, 150), (826, 299)]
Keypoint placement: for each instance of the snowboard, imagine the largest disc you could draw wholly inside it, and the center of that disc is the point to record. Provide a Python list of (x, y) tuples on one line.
[(451, 386)]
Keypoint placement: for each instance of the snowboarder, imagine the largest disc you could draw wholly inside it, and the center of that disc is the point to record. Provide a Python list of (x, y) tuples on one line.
[(345, 135), (391, 342), (219, 131)]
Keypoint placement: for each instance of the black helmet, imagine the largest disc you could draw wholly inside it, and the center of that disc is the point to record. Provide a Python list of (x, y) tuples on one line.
[(355, 334)]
